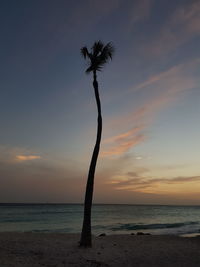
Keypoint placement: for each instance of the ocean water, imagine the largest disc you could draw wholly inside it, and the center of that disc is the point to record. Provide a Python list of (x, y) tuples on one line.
[(109, 219)]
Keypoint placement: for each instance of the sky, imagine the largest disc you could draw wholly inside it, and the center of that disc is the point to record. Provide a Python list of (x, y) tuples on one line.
[(150, 96)]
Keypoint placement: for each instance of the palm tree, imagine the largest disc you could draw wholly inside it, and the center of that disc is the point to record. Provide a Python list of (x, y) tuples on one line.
[(99, 55)]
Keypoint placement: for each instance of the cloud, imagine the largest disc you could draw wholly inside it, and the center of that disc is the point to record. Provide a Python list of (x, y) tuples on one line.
[(17, 154), (123, 136), (27, 157), (140, 184), (120, 144), (45, 181), (159, 76), (114, 184), (166, 88), (181, 26), (177, 78)]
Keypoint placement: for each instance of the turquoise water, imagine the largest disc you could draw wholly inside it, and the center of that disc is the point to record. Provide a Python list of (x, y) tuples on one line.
[(110, 219)]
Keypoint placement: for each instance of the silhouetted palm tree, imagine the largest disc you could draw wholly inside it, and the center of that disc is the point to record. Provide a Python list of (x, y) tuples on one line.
[(99, 55)]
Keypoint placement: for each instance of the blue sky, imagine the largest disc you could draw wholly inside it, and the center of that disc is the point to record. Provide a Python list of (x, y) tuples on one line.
[(150, 101)]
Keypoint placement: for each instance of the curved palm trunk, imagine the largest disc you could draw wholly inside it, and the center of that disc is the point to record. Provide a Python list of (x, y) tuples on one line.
[(86, 236)]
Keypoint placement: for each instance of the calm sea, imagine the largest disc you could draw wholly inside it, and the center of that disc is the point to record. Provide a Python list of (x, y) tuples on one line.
[(109, 219)]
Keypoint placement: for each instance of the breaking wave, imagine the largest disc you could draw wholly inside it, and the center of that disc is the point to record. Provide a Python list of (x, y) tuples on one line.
[(131, 226)]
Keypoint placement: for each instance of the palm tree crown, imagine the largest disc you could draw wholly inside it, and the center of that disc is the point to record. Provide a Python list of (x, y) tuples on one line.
[(99, 55)]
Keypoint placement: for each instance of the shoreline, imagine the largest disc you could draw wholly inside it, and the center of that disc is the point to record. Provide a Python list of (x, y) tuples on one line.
[(101, 234), (58, 249)]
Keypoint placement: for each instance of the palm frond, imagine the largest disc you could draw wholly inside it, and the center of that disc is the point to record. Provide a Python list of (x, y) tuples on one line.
[(97, 48), (84, 52), (111, 50), (89, 69), (107, 52)]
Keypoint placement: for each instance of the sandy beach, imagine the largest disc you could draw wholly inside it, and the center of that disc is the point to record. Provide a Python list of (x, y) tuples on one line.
[(36, 249)]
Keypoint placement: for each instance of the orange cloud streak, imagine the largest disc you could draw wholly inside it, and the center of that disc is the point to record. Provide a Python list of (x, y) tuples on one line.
[(169, 84), (27, 157), (118, 145)]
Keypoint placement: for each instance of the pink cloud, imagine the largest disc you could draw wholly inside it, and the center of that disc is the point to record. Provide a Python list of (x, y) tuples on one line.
[(168, 85), (182, 25), (123, 146), (121, 137), (120, 144)]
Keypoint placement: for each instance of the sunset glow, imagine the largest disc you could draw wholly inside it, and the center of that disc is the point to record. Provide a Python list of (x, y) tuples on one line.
[(150, 97)]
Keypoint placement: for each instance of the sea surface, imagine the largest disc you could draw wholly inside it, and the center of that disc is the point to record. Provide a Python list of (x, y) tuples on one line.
[(109, 219)]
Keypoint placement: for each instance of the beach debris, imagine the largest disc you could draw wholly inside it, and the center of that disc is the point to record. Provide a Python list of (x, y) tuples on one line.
[(141, 233), (103, 234)]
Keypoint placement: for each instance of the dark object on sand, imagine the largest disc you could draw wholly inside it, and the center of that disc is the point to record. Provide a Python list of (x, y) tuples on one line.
[(141, 233), (102, 234)]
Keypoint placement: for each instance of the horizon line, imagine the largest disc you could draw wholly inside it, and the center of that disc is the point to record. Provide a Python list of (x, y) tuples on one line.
[(78, 203)]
